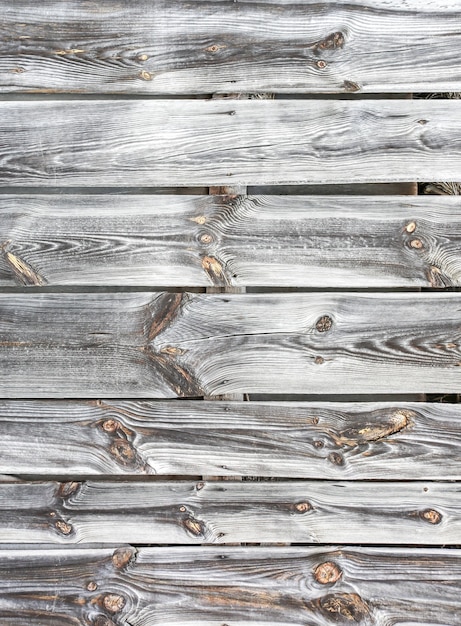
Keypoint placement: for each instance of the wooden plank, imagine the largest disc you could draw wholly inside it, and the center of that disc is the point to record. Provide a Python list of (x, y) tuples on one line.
[(238, 586), (258, 240), (184, 512), (279, 45), (220, 142), (386, 440), (188, 344)]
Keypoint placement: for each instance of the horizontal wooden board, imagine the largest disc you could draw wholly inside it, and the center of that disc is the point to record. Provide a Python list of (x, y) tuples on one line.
[(328, 440), (238, 586), (257, 240), (188, 344), (149, 46), (222, 142), (183, 344), (183, 512)]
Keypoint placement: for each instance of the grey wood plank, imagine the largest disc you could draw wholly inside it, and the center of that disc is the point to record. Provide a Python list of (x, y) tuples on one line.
[(385, 440), (219, 142), (257, 240), (279, 45), (184, 512), (238, 586), (188, 344)]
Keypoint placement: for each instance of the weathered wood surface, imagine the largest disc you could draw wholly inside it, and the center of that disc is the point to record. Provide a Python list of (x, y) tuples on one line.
[(149, 46), (311, 440), (220, 142), (184, 512), (238, 586), (257, 240), (187, 344)]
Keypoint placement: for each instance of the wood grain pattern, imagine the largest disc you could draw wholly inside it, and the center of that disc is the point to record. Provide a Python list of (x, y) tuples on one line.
[(220, 142), (301, 440), (183, 512), (257, 240), (278, 45), (171, 344), (238, 586)]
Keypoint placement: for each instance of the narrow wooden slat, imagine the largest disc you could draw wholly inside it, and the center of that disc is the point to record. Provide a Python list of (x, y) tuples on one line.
[(220, 142), (256, 240), (241, 586), (305, 440), (182, 512), (149, 46), (184, 344)]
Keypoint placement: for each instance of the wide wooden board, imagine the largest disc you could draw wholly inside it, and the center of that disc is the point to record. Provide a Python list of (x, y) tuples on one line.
[(227, 142), (328, 440), (188, 344), (157, 47), (235, 586), (184, 512), (282, 241)]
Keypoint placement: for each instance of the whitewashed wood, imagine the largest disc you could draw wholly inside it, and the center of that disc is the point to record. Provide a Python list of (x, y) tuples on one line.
[(181, 512), (238, 586), (258, 240), (149, 46), (302, 440), (169, 344), (219, 142)]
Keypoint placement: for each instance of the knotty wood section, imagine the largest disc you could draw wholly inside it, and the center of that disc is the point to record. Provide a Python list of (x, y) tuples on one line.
[(220, 142), (292, 439), (244, 586), (230, 240), (184, 512), (149, 46), (187, 344)]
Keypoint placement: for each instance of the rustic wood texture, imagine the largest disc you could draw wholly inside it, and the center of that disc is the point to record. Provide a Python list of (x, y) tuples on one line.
[(301, 440), (220, 142), (236, 586), (187, 344), (184, 512), (149, 46), (257, 240)]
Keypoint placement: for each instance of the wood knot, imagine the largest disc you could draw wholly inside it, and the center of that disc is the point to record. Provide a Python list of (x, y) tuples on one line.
[(142, 57), (123, 557), (123, 451), (92, 586), (417, 244), (303, 507), (327, 573), (206, 238), (113, 602), (321, 64), (324, 324), (349, 606), (102, 620), (194, 526), (200, 486), (67, 489), (145, 75), (431, 516), (63, 527), (110, 426), (336, 458), (350, 86), (410, 227), (333, 41), (319, 360)]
